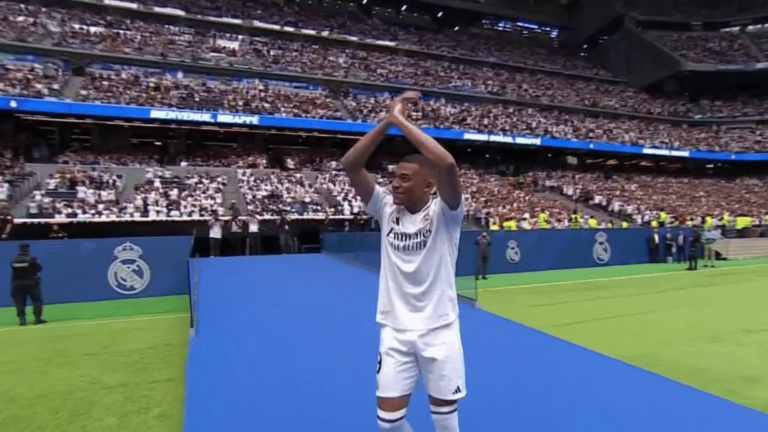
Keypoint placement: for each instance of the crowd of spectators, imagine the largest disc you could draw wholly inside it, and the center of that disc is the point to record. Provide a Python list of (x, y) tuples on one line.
[(209, 156), (518, 47), (304, 184), (333, 59), (338, 193), (31, 80), (643, 196), (274, 193), (142, 87), (720, 47), (77, 193), (125, 157), (224, 157), (166, 194), (320, 189), (497, 197), (558, 124), (15, 179)]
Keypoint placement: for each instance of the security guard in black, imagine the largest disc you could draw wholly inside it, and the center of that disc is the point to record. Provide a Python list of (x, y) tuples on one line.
[(25, 282)]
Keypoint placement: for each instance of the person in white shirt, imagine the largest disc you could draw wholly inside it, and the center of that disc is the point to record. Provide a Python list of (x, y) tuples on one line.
[(215, 226), (417, 305), (236, 225), (253, 244)]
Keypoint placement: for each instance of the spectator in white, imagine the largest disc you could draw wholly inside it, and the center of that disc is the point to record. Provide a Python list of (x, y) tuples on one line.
[(215, 228), (711, 236), (236, 225), (253, 242), (4, 190), (33, 209)]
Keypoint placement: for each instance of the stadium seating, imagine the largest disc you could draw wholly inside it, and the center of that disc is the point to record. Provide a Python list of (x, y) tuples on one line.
[(327, 57), (470, 80)]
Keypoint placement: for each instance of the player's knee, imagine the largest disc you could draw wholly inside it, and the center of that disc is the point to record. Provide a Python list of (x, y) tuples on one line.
[(391, 420), (437, 402)]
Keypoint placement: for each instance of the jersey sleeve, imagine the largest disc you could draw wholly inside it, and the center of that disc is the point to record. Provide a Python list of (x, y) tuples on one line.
[(452, 217), (377, 203)]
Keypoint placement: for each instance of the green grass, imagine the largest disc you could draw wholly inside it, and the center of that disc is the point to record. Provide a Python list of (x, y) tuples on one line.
[(96, 367), (119, 365), (707, 329)]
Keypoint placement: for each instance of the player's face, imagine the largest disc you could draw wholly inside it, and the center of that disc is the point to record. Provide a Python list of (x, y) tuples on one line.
[(409, 185)]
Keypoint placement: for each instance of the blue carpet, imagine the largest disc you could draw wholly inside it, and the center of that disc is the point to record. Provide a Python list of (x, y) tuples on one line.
[(289, 343)]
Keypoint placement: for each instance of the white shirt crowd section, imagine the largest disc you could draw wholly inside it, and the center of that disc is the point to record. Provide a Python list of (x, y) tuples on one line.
[(99, 194), (343, 201), (166, 195), (272, 193), (77, 194)]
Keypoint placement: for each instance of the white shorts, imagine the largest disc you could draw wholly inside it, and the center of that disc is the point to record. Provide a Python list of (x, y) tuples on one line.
[(436, 353)]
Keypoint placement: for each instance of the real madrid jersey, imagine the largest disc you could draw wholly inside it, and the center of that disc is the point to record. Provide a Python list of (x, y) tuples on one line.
[(417, 285)]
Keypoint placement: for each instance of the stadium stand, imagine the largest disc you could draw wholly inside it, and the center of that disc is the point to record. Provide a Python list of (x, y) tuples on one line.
[(701, 47), (74, 193), (109, 83), (643, 196), (274, 193), (166, 194), (371, 63), (470, 80)]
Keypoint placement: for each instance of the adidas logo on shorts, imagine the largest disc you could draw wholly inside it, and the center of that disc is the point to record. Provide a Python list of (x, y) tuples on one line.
[(457, 391)]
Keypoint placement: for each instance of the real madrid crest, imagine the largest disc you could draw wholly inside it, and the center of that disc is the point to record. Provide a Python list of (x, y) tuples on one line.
[(425, 219), (128, 274), (601, 251), (513, 252)]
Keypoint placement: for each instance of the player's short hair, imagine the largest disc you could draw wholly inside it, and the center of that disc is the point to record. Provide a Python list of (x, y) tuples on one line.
[(423, 163)]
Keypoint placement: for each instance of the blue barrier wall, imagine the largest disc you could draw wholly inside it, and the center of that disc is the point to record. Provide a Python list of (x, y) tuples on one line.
[(104, 269), (522, 251)]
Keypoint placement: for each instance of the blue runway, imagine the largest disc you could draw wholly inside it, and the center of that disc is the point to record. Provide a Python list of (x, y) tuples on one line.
[(289, 343)]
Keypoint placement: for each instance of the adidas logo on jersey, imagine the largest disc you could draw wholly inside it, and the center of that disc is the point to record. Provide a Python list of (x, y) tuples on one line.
[(457, 391)]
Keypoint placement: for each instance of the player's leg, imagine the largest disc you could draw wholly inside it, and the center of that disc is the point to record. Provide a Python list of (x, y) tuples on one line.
[(441, 360), (397, 370)]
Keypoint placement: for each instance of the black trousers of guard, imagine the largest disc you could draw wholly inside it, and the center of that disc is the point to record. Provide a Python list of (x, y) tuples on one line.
[(482, 266), (20, 293), (693, 260)]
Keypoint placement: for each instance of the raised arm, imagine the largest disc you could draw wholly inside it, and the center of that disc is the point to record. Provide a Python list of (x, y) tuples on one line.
[(355, 159), (448, 184)]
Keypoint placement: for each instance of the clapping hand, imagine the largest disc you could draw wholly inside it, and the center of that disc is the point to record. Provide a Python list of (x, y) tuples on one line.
[(399, 110)]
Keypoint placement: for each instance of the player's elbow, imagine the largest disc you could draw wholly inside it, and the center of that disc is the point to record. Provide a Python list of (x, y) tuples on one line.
[(448, 164), (349, 165)]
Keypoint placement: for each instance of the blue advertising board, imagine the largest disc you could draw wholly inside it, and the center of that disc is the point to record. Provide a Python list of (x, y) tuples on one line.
[(522, 251), (105, 269), (49, 106)]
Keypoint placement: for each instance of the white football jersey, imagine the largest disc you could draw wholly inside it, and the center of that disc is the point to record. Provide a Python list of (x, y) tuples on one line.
[(417, 280)]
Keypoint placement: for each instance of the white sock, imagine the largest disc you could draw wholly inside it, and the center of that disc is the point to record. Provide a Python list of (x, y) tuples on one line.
[(393, 421), (445, 418)]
